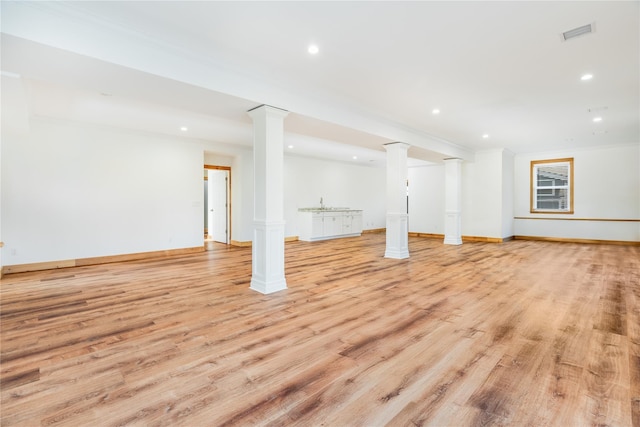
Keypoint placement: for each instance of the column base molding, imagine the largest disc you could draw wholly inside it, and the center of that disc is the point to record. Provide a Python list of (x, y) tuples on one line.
[(452, 228), (389, 253), (452, 240), (268, 287), (397, 236), (267, 257)]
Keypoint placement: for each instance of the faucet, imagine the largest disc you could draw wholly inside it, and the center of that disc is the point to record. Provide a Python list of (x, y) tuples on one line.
[(321, 203)]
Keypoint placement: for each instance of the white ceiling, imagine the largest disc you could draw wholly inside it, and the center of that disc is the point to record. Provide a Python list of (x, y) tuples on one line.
[(499, 68)]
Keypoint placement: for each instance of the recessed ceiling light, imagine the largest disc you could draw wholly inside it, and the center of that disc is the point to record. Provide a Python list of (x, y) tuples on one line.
[(597, 119), (355, 157), (435, 111), (290, 146), (586, 77), (485, 136), (184, 128), (313, 49)]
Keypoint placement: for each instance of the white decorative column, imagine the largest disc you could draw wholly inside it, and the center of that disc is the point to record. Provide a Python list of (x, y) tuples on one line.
[(397, 217), (452, 201), (267, 258)]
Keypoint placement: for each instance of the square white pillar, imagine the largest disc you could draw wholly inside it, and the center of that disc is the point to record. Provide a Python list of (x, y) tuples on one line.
[(267, 260), (453, 201), (397, 218)]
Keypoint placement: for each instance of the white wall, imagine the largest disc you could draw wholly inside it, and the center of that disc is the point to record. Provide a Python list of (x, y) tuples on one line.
[(15, 121), (496, 186), (305, 181), (242, 193), (240, 160), (339, 184), (606, 186), (482, 196), (215, 159), (1, 249), (426, 199), (507, 194), (487, 211), (75, 191)]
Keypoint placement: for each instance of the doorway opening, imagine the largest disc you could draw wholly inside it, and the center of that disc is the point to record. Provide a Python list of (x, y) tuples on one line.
[(217, 206)]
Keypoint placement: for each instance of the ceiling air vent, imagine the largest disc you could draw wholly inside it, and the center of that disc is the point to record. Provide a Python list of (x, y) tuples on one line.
[(585, 29)]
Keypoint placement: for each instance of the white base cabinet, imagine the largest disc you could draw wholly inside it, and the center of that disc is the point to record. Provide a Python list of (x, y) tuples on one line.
[(323, 224)]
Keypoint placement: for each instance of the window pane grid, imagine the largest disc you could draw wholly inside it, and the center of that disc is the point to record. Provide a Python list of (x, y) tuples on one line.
[(551, 189)]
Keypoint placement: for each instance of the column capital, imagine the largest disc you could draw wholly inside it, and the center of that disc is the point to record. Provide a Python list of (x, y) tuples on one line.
[(396, 144), (264, 109), (453, 160)]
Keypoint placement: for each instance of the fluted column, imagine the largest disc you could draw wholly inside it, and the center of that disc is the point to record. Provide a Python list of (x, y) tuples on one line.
[(267, 259), (453, 201), (397, 216)]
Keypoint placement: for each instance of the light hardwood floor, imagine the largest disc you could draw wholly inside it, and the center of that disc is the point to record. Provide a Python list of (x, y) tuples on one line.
[(520, 333)]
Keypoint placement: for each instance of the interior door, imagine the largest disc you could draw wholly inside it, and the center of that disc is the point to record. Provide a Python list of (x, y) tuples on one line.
[(218, 214)]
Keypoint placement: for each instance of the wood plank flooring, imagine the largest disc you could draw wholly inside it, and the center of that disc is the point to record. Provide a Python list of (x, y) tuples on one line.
[(521, 333)]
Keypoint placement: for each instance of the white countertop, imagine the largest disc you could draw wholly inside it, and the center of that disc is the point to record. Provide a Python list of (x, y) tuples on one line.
[(328, 210)]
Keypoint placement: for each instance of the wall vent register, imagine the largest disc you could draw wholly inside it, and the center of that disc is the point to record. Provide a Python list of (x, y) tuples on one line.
[(577, 32)]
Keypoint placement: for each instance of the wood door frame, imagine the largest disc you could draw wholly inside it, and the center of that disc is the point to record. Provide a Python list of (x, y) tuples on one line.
[(225, 168)]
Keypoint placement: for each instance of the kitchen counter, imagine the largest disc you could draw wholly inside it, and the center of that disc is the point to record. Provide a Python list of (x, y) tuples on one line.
[(329, 223), (328, 210)]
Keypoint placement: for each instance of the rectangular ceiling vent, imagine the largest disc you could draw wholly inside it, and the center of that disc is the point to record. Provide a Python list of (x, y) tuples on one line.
[(576, 32)]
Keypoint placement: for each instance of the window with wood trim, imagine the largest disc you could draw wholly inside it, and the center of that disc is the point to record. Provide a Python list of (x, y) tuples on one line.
[(552, 186)]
